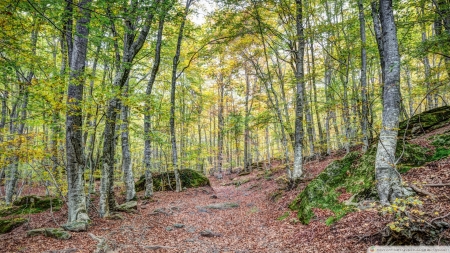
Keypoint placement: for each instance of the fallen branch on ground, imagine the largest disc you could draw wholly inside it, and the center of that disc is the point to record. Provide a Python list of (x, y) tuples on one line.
[(422, 191)]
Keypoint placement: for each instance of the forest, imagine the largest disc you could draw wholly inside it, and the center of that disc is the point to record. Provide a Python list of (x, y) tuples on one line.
[(224, 125)]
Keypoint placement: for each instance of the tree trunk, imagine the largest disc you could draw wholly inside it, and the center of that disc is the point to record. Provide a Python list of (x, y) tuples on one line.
[(246, 120), (388, 179), (300, 85), (126, 155), (77, 211), (172, 98), (363, 80), (220, 130), (132, 45), (147, 118)]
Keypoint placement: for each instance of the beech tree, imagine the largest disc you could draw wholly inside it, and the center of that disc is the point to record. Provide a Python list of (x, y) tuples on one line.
[(388, 179), (77, 212)]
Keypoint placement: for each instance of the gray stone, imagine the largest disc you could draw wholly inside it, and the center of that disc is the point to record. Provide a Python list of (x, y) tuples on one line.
[(130, 206), (169, 228), (191, 229), (208, 233), (57, 233), (222, 206), (76, 226), (178, 225), (115, 216)]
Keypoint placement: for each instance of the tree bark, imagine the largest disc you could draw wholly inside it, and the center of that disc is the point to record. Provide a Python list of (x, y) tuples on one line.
[(300, 85), (126, 155), (132, 45), (363, 78), (388, 179), (147, 118), (175, 63), (77, 211)]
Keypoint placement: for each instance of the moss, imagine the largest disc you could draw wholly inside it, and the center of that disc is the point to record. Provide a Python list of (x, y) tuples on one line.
[(354, 174), (9, 224), (426, 121), (166, 180), (442, 144), (322, 191), (284, 216), (412, 155), (57, 233), (31, 204)]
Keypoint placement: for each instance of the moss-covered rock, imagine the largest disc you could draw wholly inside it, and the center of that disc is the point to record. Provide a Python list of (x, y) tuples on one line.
[(57, 233), (354, 174), (322, 191), (166, 180), (425, 122), (128, 207), (76, 226), (7, 225), (31, 204), (442, 144)]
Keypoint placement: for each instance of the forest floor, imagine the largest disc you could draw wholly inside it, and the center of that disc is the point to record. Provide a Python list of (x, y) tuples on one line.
[(250, 222)]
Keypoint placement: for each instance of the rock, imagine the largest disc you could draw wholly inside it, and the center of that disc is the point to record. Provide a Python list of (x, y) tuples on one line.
[(222, 206), (31, 204), (213, 197), (76, 226), (115, 216), (208, 233), (127, 207), (166, 180), (178, 225), (191, 229), (57, 233), (244, 173), (10, 224), (169, 228)]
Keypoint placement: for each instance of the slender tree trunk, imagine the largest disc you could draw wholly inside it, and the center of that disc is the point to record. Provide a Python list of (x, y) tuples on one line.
[(316, 105), (74, 121), (246, 120), (363, 80), (300, 85), (388, 179), (220, 130), (147, 118), (126, 155), (172, 98), (132, 45)]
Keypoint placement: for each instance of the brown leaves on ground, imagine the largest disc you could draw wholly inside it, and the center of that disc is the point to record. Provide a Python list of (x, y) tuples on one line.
[(253, 226)]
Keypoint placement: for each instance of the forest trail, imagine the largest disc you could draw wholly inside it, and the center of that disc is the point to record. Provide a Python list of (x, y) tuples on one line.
[(250, 224)]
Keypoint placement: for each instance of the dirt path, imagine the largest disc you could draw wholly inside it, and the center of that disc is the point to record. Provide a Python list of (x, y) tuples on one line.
[(251, 227)]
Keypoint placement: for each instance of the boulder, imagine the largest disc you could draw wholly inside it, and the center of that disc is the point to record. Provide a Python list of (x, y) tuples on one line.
[(57, 233), (166, 181), (8, 225), (76, 226), (222, 206), (127, 207)]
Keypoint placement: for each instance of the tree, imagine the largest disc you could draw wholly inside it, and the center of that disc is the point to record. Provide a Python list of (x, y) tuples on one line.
[(299, 96), (74, 121), (132, 44), (175, 76), (388, 179)]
